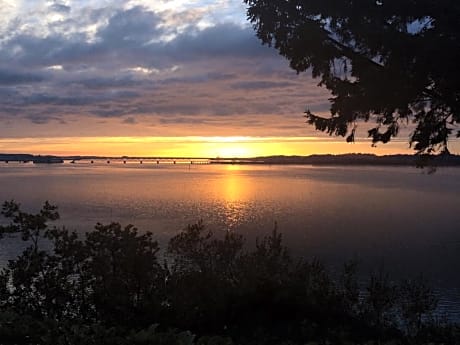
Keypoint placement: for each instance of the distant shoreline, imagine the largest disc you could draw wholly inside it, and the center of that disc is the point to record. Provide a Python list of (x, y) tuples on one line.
[(342, 159)]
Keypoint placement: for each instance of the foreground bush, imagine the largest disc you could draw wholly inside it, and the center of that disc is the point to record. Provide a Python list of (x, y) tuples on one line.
[(111, 286)]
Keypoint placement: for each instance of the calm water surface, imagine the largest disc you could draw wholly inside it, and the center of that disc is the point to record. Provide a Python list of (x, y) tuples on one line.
[(401, 218)]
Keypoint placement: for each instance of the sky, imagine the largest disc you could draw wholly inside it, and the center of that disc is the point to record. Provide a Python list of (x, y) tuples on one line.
[(153, 78)]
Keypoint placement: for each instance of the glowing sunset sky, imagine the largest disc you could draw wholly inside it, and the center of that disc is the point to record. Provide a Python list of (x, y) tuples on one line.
[(172, 77)]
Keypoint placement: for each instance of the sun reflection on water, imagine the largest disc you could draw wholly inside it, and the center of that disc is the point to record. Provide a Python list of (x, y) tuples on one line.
[(236, 194)]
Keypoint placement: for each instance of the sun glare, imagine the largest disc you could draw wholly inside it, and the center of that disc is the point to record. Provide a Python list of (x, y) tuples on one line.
[(233, 151)]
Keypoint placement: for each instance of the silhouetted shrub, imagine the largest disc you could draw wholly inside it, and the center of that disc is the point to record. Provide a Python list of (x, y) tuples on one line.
[(109, 287)]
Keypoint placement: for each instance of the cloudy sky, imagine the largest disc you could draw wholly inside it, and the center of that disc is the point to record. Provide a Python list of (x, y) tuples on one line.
[(163, 77)]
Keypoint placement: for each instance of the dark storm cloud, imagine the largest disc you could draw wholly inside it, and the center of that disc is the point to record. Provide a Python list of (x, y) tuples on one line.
[(122, 40), (14, 78), (261, 85), (131, 28), (108, 83), (44, 119), (224, 40), (199, 78), (52, 99), (108, 112), (30, 51), (134, 36), (177, 120)]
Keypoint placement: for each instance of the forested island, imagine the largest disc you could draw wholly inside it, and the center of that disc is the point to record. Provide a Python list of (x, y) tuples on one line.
[(351, 159)]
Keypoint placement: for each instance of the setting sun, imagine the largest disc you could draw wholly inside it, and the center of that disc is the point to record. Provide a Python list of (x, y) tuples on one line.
[(232, 151)]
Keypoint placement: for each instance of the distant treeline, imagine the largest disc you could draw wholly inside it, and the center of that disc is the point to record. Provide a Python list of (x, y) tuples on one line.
[(5, 157), (355, 159), (343, 159), (112, 286), (16, 157)]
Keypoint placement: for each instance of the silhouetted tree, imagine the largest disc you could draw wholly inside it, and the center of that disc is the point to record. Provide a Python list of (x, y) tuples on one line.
[(111, 274), (387, 61), (203, 278), (127, 281)]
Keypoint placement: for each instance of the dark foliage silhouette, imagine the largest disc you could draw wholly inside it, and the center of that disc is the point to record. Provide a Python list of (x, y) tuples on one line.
[(389, 62), (112, 286)]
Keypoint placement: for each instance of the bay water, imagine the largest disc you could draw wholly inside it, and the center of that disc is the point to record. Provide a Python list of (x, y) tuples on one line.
[(400, 218)]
